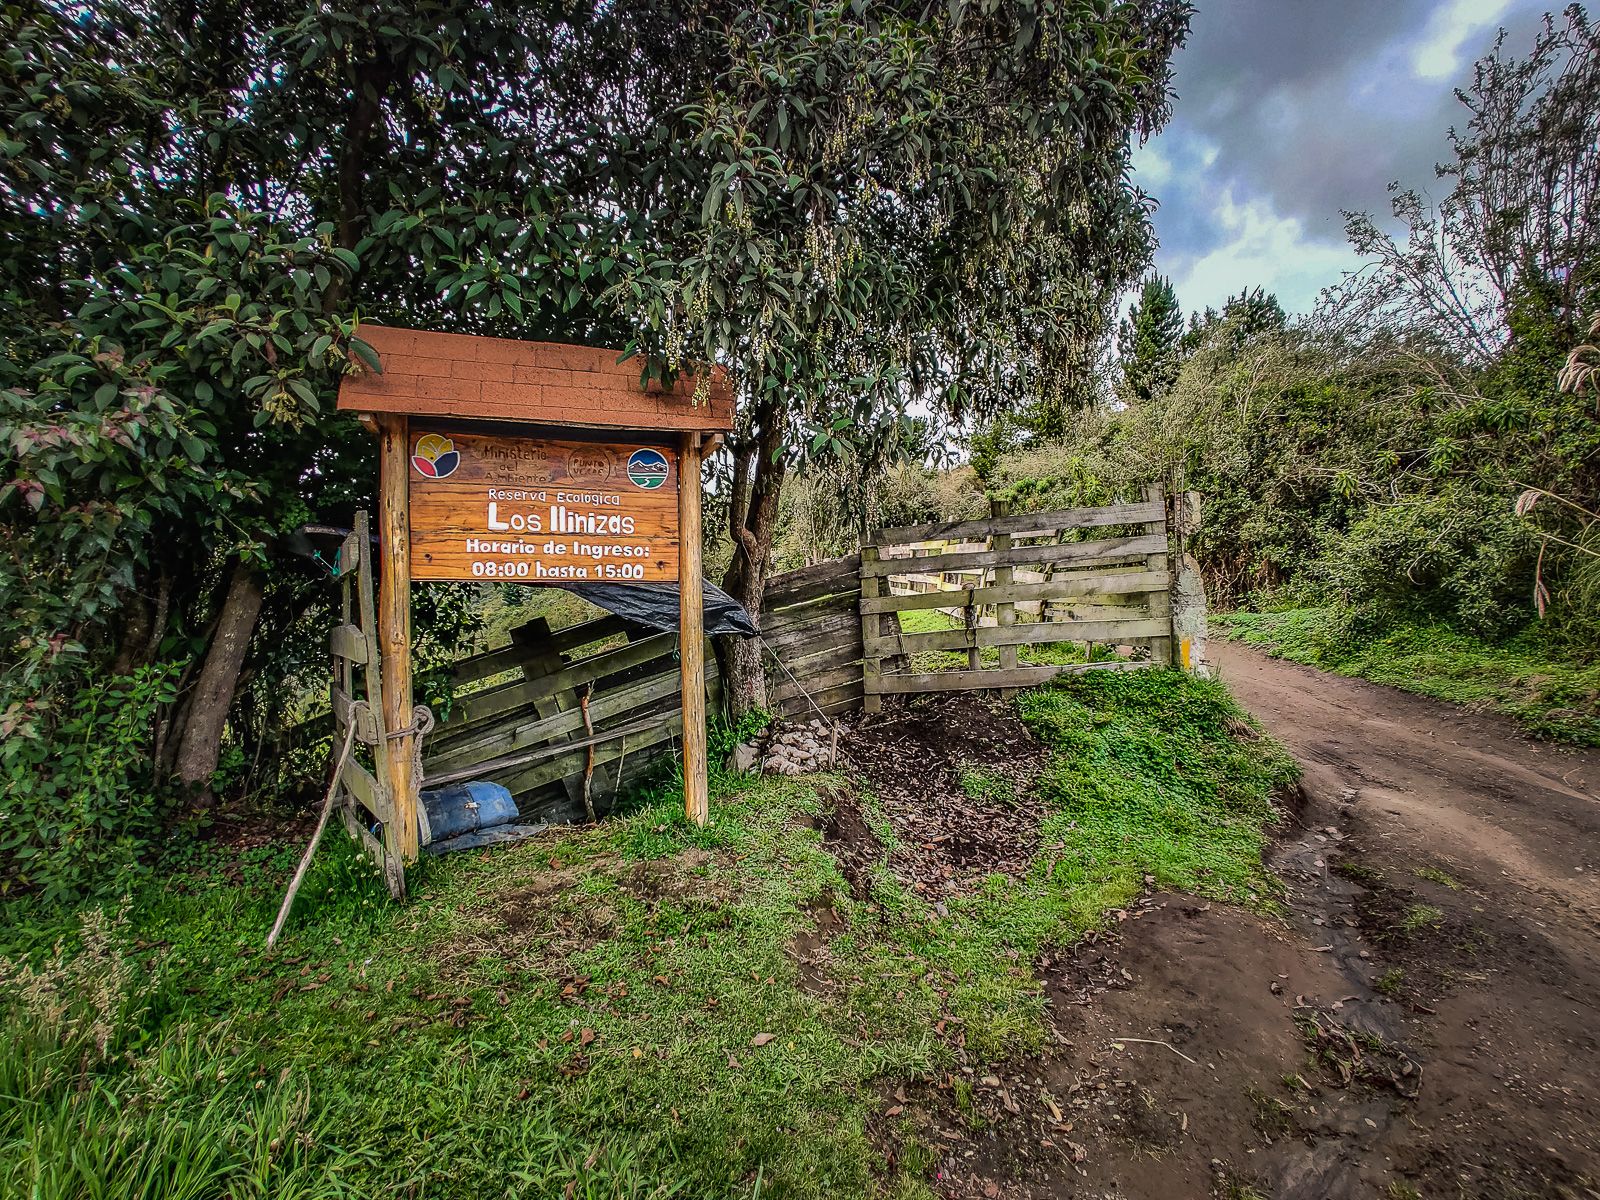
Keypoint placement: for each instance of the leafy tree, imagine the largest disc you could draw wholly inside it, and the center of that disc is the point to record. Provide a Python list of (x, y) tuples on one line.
[(1148, 341), (1523, 210), (1249, 314), (851, 207)]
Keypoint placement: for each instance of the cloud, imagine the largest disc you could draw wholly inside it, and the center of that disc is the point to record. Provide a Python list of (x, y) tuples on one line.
[(1438, 56), (1261, 248), (1288, 113)]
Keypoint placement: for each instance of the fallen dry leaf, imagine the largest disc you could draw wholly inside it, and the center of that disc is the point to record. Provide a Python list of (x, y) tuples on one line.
[(761, 1039), (1051, 1105), (502, 997), (588, 1163), (586, 1037), (895, 1111)]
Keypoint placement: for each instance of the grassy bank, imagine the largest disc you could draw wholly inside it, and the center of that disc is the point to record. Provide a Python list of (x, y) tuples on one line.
[(606, 1012), (1550, 697)]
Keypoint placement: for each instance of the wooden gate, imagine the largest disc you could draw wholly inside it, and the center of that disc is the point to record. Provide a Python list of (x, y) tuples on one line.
[(363, 797), (1107, 590)]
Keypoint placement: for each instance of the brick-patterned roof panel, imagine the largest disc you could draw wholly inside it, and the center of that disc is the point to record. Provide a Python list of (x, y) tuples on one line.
[(499, 379)]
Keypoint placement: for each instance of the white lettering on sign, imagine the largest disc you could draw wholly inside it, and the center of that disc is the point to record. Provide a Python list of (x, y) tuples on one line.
[(482, 507)]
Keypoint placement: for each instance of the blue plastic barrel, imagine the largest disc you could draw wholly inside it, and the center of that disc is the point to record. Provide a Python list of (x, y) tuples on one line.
[(464, 808)]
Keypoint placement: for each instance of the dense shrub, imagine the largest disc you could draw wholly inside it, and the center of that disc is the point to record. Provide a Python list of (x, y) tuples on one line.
[(79, 803)]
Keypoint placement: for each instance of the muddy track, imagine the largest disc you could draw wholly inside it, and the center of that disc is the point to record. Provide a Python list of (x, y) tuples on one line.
[(1391, 1035)]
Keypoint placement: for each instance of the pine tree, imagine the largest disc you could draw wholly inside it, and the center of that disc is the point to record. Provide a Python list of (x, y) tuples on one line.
[(1147, 341)]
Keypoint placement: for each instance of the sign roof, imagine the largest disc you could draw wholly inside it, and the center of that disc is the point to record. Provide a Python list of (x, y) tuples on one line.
[(500, 379)]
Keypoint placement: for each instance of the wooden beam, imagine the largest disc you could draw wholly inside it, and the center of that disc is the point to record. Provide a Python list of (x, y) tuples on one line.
[(347, 641), (1005, 613), (872, 666), (691, 634), (957, 681), (1024, 524), (394, 629), (1160, 602), (1032, 634), (1059, 588), (1075, 554)]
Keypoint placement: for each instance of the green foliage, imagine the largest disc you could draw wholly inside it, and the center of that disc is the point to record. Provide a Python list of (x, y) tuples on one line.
[(1148, 341), (566, 1013), (1390, 982), (80, 799), (1531, 677), (1152, 775)]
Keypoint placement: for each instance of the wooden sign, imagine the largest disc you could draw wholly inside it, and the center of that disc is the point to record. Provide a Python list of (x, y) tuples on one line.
[(529, 510)]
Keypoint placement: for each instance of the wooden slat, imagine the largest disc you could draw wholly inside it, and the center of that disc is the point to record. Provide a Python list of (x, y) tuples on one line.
[(1082, 554), (1036, 633), (495, 662), (347, 641), (820, 579), (1059, 588), (838, 699), (803, 668), (511, 735), (776, 620), (952, 681), (572, 761), (1031, 524), (597, 630), (366, 721), (365, 788), (536, 754), (838, 624), (349, 554), (500, 700), (821, 682)]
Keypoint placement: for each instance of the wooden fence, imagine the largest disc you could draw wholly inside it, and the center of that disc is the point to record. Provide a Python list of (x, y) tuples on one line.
[(833, 638), (1106, 590), (528, 730), (812, 629), (362, 797)]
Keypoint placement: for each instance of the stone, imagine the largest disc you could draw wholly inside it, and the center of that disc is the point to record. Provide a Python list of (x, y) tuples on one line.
[(745, 757)]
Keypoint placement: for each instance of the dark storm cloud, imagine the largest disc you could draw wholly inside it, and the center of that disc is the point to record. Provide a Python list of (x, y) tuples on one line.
[(1289, 110)]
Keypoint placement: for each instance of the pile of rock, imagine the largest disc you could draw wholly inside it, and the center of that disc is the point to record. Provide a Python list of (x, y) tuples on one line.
[(789, 748)]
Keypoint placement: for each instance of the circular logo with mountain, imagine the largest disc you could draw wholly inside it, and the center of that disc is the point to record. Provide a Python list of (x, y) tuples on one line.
[(435, 456), (647, 468)]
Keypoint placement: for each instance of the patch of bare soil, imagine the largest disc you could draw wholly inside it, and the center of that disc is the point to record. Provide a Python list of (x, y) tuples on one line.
[(950, 774), (1393, 1035)]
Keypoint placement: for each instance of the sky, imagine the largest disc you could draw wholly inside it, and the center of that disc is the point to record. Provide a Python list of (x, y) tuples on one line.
[(1289, 111)]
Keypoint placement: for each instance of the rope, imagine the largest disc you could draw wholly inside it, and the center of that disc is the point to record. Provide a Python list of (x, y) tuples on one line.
[(322, 823), (795, 681), (421, 725)]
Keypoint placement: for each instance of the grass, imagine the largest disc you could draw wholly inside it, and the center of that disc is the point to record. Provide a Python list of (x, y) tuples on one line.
[(1421, 916), (1389, 983), (1549, 696), (1435, 875), (931, 620), (581, 1016)]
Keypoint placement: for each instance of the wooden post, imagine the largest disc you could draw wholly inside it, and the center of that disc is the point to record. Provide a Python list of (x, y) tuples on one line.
[(1005, 615), (871, 664), (394, 627), (691, 634), (1160, 602)]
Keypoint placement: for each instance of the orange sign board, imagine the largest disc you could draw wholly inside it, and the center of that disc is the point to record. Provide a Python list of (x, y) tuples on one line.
[(528, 510)]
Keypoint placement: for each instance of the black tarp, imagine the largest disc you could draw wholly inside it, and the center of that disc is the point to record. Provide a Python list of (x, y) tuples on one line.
[(656, 605), (651, 604)]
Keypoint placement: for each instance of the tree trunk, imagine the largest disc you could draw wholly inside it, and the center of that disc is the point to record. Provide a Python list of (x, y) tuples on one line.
[(213, 696), (758, 473)]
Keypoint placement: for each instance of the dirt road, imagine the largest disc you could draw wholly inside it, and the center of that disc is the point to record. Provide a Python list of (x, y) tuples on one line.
[(1424, 1023)]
